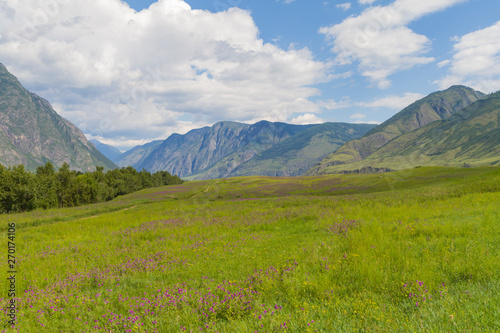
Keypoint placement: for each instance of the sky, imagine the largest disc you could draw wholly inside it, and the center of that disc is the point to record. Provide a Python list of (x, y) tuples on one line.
[(129, 72)]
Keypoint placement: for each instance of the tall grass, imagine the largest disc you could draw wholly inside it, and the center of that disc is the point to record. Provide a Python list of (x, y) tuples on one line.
[(415, 251)]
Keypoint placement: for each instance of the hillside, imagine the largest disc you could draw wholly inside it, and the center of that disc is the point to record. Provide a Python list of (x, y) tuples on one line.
[(297, 154), (32, 133), (135, 156), (107, 150), (221, 147), (471, 136), (436, 106)]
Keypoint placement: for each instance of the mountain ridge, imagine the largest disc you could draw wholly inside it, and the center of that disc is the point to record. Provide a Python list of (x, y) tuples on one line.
[(107, 150), (201, 148), (436, 106), (297, 154), (470, 137), (136, 155), (32, 133)]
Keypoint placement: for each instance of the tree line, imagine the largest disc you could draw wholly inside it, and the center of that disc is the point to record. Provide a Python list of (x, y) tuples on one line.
[(21, 190)]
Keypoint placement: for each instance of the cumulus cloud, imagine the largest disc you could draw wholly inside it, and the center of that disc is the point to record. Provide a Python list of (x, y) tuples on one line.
[(331, 104), (381, 42), (358, 119), (306, 119), (366, 2), (358, 116), (393, 102), (476, 60), (444, 63), (118, 73), (344, 6)]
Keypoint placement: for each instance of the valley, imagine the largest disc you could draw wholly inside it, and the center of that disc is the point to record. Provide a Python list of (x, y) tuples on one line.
[(415, 250), (253, 166)]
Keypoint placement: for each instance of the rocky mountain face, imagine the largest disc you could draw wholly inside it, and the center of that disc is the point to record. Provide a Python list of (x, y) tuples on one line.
[(228, 142), (32, 133), (107, 150), (135, 156), (231, 149), (437, 106), (297, 154)]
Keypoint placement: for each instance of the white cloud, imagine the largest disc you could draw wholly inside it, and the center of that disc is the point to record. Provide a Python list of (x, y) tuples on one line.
[(476, 61), (331, 104), (358, 116), (393, 102), (306, 119), (118, 73), (366, 2), (373, 122), (380, 40), (444, 63), (344, 6), (124, 142)]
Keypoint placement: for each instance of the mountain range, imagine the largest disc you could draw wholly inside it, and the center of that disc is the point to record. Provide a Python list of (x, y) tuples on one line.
[(135, 156), (470, 137), (230, 148), (107, 150), (453, 127), (297, 154), (32, 133)]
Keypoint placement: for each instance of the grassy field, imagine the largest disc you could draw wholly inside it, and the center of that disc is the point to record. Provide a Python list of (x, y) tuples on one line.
[(411, 251)]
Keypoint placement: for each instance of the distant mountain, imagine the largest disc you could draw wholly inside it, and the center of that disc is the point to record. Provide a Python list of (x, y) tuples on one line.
[(32, 133), (470, 137), (221, 147), (109, 151), (437, 106), (135, 156), (297, 154), (265, 148)]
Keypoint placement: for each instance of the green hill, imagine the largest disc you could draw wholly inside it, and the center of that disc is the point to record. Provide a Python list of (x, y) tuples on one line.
[(297, 154), (437, 106), (471, 136), (32, 133)]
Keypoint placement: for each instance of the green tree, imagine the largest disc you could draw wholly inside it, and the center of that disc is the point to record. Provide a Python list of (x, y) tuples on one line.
[(84, 190), (64, 181), (46, 186), (18, 190), (21, 190)]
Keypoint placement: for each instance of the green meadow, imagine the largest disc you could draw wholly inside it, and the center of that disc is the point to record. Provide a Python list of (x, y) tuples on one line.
[(411, 251)]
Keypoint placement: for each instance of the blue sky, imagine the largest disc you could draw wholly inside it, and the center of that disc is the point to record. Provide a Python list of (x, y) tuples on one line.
[(129, 74)]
